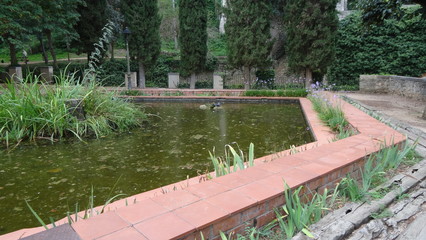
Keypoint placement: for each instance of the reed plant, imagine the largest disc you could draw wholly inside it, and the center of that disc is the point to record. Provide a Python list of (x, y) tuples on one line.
[(232, 161), (301, 212), (77, 214), (33, 110), (296, 215), (375, 169), (331, 115)]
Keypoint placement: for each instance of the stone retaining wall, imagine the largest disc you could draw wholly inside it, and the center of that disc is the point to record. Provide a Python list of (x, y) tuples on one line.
[(403, 86)]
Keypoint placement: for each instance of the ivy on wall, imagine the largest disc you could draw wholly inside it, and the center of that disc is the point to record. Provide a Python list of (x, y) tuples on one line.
[(395, 47)]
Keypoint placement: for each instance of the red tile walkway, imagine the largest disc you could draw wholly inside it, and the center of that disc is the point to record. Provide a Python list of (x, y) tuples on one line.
[(244, 198)]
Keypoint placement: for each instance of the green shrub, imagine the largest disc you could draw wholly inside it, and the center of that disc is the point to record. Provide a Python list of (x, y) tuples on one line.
[(112, 72), (265, 79), (198, 85), (234, 86), (279, 93), (259, 93), (396, 47)]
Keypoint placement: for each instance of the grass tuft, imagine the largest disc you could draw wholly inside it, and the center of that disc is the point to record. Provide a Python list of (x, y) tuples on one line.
[(32, 110)]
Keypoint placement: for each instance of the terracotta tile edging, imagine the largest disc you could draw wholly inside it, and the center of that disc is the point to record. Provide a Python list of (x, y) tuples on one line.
[(319, 165)]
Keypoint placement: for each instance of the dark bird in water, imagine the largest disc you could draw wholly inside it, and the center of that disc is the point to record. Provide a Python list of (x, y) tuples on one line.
[(215, 105)]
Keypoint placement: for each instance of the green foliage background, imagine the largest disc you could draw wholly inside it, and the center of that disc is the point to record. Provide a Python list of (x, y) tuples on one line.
[(311, 30), (395, 47), (248, 33), (193, 35)]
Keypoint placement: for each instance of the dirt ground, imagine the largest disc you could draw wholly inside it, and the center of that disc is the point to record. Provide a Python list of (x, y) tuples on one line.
[(401, 108)]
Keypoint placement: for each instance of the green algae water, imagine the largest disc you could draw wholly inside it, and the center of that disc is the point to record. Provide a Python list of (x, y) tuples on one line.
[(172, 146)]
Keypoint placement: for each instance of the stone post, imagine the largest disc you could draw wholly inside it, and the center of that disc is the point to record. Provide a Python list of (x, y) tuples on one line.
[(15, 73), (173, 80), (217, 82), (133, 77), (46, 74), (76, 108)]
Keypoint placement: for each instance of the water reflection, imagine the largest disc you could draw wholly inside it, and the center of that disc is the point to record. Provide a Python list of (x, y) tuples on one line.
[(174, 145)]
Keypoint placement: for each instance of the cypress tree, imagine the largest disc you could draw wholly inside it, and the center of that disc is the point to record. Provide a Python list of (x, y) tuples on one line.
[(143, 19), (248, 35), (311, 27), (193, 37), (89, 27)]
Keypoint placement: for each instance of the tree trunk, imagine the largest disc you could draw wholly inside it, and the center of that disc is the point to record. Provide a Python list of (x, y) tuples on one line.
[(308, 78), (193, 80), (424, 113), (111, 46), (52, 51), (175, 27), (43, 50), (141, 75), (175, 39), (13, 58), (247, 80)]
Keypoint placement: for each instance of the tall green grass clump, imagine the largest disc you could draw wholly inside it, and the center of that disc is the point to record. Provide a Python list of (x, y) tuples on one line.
[(32, 110)]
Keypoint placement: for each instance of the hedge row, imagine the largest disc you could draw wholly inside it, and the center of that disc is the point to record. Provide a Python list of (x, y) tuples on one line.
[(396, 47), (277, 93)]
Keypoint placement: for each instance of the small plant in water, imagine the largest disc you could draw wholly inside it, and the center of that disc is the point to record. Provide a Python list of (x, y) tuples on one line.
[(79, 214), (232, 161)]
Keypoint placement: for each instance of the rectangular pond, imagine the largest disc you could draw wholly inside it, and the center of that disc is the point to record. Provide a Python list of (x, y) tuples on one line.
[(172, 146)]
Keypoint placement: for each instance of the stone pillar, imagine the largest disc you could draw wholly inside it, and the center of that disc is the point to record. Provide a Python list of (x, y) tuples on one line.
[(133, 77), (46, 74), (15, 73), (76, 108), (217, 82), (173, 80)]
